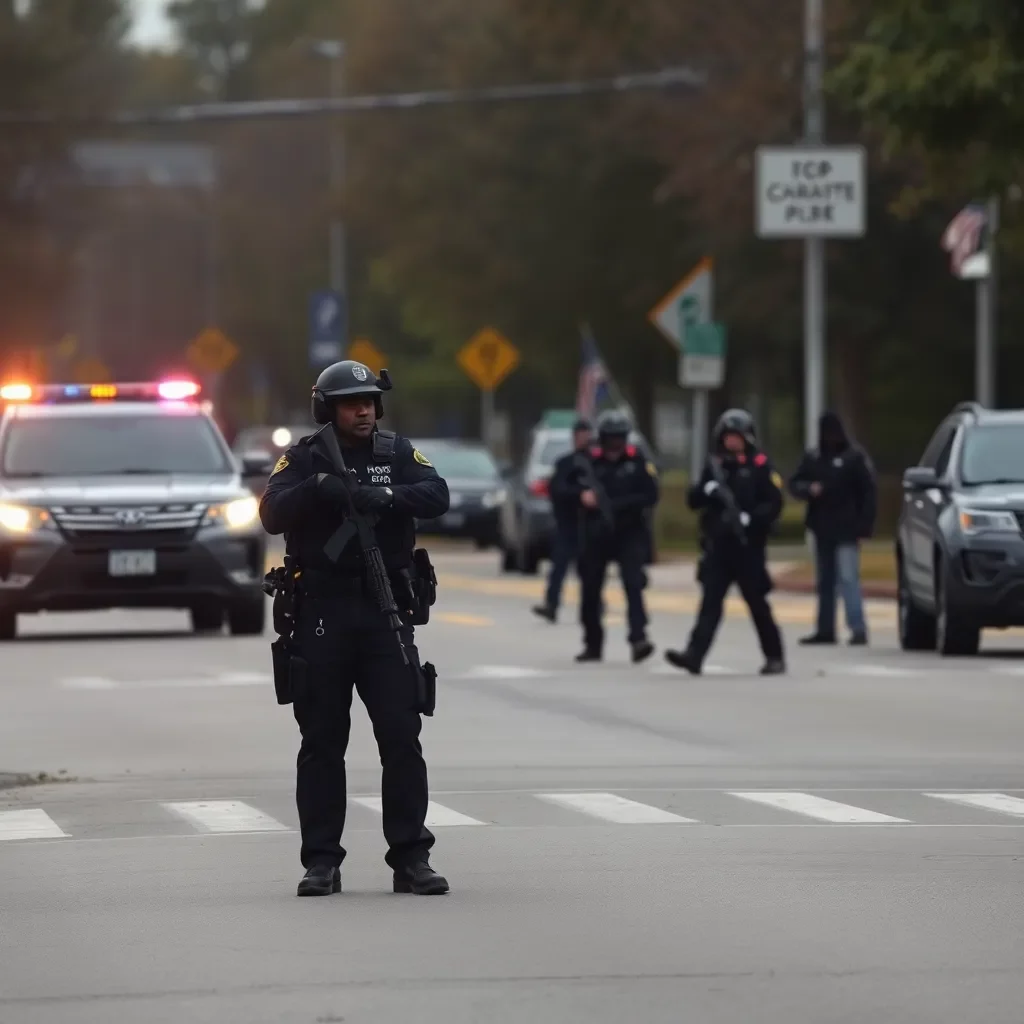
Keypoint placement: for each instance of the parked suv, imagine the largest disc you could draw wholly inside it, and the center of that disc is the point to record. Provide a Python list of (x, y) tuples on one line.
[(960, 548)]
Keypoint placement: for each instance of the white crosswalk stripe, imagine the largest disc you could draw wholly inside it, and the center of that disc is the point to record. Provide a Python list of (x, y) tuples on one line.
[(438, 816), (215, 816), (31, 823), (609, 807), (821, 808), (998, 802)]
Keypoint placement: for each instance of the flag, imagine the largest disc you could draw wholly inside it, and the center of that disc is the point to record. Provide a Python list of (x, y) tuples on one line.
[(962, 238), (593, 386)]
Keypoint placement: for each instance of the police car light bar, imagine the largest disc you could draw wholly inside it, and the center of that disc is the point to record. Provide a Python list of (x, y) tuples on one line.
[(165, 390)]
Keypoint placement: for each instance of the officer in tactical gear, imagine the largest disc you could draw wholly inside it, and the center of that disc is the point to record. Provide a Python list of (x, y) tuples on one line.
[(616, 487), (351, 472), (740, 497)]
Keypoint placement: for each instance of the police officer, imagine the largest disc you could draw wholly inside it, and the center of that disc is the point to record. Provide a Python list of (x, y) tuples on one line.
[(340, 632), (739, 496), (616, 488), (565, 505)]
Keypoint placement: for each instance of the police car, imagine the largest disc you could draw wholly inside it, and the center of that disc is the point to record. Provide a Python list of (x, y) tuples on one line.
[(125, 496)]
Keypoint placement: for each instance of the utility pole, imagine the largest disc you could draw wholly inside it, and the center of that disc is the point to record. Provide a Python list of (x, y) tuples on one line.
[(985, 311), (814, 248)]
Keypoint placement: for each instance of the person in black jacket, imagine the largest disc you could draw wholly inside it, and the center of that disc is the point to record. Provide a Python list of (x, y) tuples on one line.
[(837, 481), (565, 505), (739, 497), (340, 631)]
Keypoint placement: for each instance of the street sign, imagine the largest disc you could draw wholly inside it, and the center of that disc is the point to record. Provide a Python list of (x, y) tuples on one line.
[(811, 191), (327, 328), (212, 351), (91, 371), (488, 358), (362, 350), (703, 362), (689, 302)]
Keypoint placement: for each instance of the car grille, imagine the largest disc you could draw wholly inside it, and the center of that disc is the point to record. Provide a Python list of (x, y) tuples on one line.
[(117, 523)]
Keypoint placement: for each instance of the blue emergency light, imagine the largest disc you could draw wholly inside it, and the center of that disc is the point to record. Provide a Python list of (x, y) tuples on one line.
[(147, 391)]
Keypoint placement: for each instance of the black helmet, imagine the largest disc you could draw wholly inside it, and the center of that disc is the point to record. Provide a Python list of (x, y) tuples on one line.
[(613, 423), (736, 421), (348, 378)]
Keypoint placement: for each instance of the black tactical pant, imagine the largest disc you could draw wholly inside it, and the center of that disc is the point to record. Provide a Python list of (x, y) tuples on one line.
[(347, 644), (720, 568), (630, 552)]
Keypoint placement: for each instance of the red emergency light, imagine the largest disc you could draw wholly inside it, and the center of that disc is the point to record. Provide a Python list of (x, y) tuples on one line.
[(146, 391)]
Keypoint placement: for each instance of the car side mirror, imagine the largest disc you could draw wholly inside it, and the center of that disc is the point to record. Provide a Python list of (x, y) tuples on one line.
[(920, 478), (258, 463)]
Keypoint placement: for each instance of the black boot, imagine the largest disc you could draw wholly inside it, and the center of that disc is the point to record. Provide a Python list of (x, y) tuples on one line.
[(320, 880), (421, 879), (684, 660), (589, 655), (641, 650), (774, 667), (817, 639), (544, 612), (859, 640)]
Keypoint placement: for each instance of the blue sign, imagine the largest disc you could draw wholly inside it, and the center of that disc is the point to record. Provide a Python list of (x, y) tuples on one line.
[(327, 328)]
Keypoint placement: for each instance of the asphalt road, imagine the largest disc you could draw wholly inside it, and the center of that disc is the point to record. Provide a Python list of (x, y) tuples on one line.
[(624, 843)]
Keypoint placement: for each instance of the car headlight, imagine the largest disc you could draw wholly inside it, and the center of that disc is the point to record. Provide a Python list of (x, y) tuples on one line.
[(977, 520), (494, 498), (234, 515), (24, 518)]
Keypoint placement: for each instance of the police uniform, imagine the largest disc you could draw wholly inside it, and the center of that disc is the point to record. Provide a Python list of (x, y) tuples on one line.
[(343, 636), (734, 550), (627, 485)]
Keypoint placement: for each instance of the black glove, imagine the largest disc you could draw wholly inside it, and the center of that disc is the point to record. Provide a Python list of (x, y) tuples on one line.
[(372, 499), (332, 489)]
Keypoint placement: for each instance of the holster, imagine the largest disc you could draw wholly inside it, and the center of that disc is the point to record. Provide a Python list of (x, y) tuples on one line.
[(426, 689), (423, 586), (291, 671)]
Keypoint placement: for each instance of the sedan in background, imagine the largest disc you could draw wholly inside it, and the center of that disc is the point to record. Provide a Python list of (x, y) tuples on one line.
[(476, 488), (268, 443)]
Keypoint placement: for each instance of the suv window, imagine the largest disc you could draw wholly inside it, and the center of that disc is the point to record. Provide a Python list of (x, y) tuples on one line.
[(942, 463), (993, 453), (940, 442)]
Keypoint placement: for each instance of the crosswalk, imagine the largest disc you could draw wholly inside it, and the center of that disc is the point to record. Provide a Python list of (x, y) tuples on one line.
[(93, 821)]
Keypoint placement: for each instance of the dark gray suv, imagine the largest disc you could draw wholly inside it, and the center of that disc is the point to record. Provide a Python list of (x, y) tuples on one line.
[(960, 548)]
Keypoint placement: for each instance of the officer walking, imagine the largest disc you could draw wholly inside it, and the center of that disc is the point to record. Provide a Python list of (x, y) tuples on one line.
[(616, 487), (565, 505), (340, 632), (739, 496), (837, 481)]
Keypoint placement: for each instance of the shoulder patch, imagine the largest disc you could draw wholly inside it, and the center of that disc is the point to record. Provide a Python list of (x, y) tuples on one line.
[(282, 463), (760, 459), (776, 480), (420, 457), (652, 470)]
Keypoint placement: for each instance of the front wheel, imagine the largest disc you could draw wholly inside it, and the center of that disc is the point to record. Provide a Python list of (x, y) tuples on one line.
[(917, 627), (248, 617), (8, 626), (953, 635), (509, 562), (207, 618)]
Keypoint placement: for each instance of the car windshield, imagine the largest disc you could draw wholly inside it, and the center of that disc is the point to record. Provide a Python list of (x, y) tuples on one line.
[(993, 455), (552, 450), (465, 463), (112, 445)]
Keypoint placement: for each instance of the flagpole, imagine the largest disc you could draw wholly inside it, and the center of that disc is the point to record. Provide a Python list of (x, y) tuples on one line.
[(985, 311)]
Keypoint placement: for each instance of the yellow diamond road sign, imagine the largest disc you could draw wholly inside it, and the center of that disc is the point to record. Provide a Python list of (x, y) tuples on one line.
[(362, 350), (212, 351), (488, 358)]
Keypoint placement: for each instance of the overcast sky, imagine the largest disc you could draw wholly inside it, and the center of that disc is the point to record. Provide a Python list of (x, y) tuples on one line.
[(150, 28)]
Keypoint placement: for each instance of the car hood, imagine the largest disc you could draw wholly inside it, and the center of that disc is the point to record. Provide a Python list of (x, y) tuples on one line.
[(170, 487), (993, 496)]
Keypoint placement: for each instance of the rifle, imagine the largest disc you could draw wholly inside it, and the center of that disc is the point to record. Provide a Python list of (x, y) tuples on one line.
[(731, 518), (588, 478)]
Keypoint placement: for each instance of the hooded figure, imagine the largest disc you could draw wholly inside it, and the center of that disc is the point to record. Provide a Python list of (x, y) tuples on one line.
[(837, 481)]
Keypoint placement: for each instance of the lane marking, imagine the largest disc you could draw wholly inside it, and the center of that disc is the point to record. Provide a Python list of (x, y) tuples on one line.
[(819, 807), (225, 816), (664, 669), (609, 807), (998, 802), (188, 682), (463, 619), (879, 671), (503, 672), (28, 824), (438, 816)]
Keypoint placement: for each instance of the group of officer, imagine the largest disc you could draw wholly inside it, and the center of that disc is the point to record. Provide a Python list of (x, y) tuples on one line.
[(603, 497)]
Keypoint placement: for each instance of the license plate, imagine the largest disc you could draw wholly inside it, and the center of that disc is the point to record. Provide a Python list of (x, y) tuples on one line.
[(132, 563), (455, 519)]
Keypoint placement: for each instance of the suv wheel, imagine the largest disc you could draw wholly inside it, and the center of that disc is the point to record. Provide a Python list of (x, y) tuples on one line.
[(8, 625), (917, 627), (207, 618), (509, 562), (528, 562), (248, 617), (952, 634)]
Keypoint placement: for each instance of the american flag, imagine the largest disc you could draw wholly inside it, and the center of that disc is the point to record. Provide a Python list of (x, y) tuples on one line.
[(962, 237), (593, 387)]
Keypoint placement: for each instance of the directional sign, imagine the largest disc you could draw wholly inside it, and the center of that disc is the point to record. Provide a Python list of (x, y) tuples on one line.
[(212, 351), (684, 317), (327, 328), (362, 350), (488, 358)]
